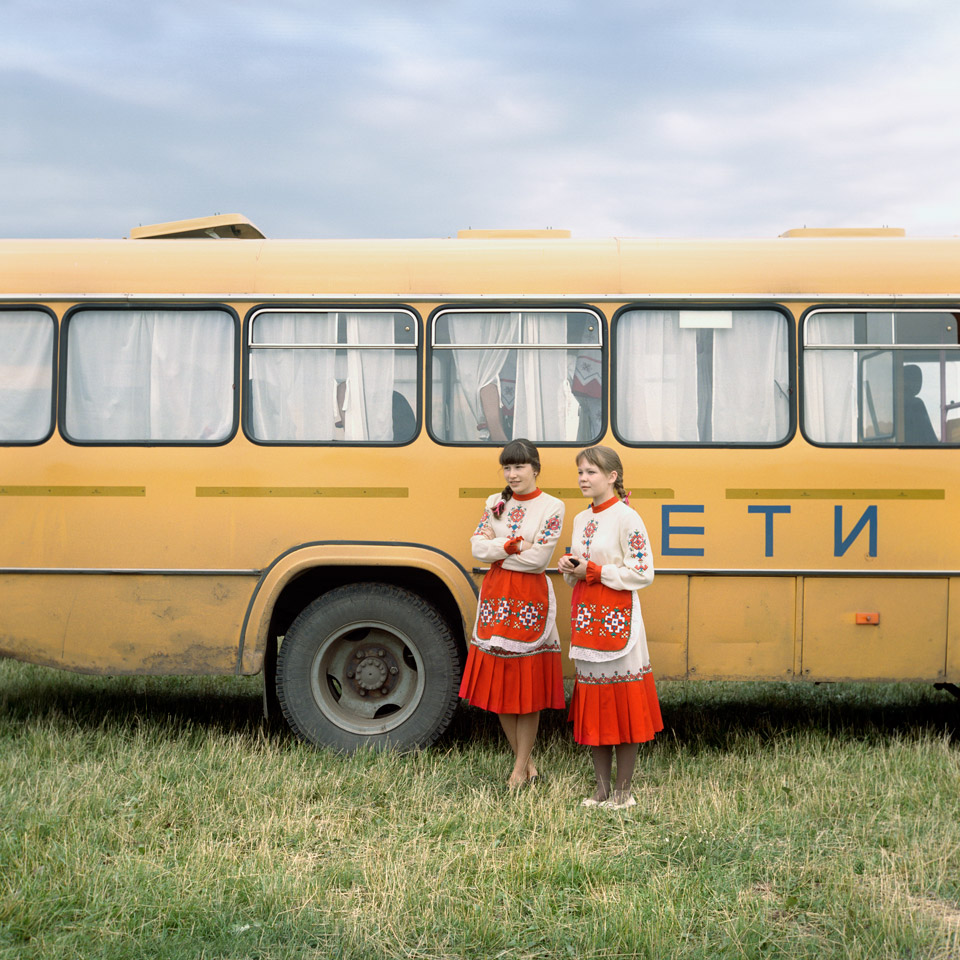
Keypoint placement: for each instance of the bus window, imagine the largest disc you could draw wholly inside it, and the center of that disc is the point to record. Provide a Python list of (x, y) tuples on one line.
[(882, 377), (534, 374), (149, 376), (332, 376), (26, 376), (702, 376)]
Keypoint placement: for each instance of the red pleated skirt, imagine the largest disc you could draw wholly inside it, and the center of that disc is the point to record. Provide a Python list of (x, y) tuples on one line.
[(513, 683), (622, 711)]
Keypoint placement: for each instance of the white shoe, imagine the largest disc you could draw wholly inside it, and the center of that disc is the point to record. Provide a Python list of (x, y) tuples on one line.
[(590, 802), (612, 804)]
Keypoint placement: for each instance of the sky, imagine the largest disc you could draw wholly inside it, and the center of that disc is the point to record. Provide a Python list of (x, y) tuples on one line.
[(416, 118)]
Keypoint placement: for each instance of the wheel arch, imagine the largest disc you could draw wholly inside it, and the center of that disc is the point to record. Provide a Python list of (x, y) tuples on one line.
[(307, 571)]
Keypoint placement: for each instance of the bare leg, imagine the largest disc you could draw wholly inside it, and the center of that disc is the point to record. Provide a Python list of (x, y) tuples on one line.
[(626, 762), (509, 723), (602, 764), (523, 769)]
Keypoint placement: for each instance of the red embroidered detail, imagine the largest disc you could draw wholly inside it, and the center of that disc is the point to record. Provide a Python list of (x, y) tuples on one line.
[(548, 648), (638, 543), (588, 531), (482, 524), (615, 677), (515, 516), (505, 617), (601, 617), (550, 529)]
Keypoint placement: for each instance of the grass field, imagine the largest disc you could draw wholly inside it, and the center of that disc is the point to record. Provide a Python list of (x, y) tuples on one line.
[(160, 818)]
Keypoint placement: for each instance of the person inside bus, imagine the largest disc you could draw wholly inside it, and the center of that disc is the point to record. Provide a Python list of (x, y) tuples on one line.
[(917, 427), (513, 664), (404, 419), (497, 401)]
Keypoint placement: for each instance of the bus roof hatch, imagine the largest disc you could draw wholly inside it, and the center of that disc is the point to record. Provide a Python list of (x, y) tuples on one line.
[(230, 226)]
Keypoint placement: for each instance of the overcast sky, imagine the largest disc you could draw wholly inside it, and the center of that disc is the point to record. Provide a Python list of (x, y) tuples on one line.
[(413, 118)]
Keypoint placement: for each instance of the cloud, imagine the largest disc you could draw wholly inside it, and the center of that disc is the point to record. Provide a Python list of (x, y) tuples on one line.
[(639, 118)]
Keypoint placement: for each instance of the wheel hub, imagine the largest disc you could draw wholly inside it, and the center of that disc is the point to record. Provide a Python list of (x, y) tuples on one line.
[(373, 672)]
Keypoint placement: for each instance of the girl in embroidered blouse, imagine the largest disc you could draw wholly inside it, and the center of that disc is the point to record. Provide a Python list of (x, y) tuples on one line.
[(513, 665), (614, 705)]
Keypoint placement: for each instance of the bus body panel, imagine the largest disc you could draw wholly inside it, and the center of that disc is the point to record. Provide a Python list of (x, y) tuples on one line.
[(742, 627), (901, 633), (112, 623)]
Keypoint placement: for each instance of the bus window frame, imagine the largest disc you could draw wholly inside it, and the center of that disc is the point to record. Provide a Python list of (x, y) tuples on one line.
[(511, 306), (313, 307), (718, 305), (138, 306), (54, 368), (870, 307)]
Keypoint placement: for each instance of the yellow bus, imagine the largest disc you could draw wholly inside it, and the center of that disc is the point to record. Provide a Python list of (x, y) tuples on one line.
[(228, 454)]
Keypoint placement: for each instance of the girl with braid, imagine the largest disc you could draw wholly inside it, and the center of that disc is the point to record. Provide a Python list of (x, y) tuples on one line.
[(513, 665), (614, 705)]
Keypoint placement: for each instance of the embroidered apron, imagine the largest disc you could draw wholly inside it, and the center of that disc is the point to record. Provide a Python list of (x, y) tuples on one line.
[(513, 605), (600, 617)]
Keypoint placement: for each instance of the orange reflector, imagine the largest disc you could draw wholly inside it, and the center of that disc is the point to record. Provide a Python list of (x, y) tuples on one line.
[(872, 619)]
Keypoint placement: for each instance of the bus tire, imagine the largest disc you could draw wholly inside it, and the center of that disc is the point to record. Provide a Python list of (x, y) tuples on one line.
[(368, 665)]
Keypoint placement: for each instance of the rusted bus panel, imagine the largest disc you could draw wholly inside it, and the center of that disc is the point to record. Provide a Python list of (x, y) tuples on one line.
[(906, 640), (742, 627), (124, 624), (953, 632)]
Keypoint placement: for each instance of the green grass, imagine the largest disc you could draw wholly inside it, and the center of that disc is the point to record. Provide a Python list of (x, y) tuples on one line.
[(160, 818)]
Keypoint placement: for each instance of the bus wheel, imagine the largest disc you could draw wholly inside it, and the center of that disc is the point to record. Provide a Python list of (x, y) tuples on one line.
[(368, 665)]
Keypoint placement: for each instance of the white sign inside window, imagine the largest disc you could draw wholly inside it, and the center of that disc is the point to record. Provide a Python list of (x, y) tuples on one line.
[(706, 319)]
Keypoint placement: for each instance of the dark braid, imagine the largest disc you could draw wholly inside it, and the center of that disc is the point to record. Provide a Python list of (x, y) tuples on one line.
[(518, 452), (609, 462)]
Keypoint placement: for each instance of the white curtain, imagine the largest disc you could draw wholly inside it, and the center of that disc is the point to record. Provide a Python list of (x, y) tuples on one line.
[(751, 379), (545, 407), (656, 378), (477, 368), (142, 375), (368, 400), (294, 392), (830, 380), (26, 375)]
